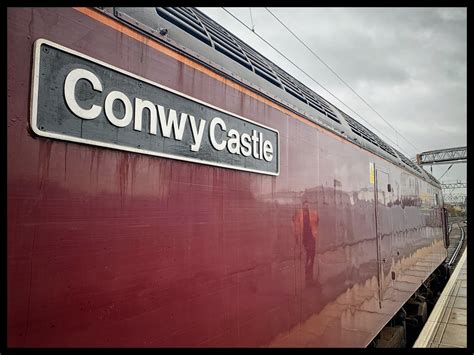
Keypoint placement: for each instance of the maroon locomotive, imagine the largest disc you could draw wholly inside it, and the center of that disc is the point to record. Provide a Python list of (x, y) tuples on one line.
[(170, 186)]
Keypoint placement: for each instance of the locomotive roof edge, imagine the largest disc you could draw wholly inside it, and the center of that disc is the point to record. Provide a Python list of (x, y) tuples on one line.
[(148, 22)]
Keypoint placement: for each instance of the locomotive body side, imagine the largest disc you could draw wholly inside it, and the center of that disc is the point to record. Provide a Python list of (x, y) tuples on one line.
[(108, 248)]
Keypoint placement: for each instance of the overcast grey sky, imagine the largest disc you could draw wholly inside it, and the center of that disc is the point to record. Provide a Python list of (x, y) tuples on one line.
[(407, 63)]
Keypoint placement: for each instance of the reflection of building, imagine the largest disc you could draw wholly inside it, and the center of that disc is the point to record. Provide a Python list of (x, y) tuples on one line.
[(328, 195), (455, 198), (366, 194), (282, 198), (321, 195)]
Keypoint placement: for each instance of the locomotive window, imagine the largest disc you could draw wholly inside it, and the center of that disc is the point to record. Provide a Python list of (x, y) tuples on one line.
[(267, 76), (363, 132), (233, 55), (265, 68), (317, 107), (197, 24), (295, 94), (436, 202), (408, 161), (184, 22), (432, 178)]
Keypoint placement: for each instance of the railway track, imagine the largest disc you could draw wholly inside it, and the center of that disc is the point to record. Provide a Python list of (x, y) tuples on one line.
[(457, 235)]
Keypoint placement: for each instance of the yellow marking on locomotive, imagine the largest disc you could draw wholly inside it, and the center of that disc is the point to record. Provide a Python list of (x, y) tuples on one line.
[(372, 173)]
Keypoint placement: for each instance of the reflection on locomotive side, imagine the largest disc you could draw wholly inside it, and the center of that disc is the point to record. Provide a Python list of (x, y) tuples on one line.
[(353, 309), (344, 259), (306, 231)]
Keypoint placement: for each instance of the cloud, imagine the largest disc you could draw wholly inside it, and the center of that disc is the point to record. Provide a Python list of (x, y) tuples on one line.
[(410, 64)]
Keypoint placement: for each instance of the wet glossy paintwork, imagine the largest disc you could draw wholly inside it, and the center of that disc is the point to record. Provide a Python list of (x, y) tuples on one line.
[(109, 248)]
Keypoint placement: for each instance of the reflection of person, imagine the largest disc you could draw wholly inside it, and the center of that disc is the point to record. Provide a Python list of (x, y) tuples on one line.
[(306, 230)]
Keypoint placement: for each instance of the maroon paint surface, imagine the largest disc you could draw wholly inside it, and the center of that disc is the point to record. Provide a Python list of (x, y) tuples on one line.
[(109, 248)]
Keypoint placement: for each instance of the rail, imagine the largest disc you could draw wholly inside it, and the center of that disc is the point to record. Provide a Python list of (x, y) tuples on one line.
[(460, 243)]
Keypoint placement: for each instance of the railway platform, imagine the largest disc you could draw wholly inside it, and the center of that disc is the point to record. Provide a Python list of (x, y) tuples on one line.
[(447, 325)]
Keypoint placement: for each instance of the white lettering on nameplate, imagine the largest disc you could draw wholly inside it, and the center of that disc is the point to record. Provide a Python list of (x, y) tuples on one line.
[(104, 105)]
